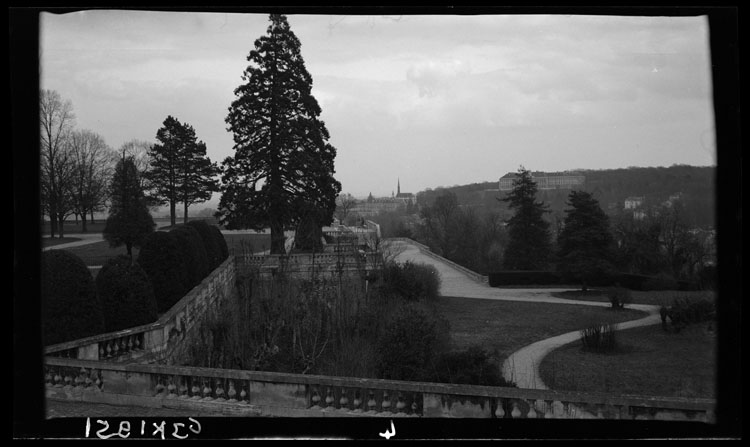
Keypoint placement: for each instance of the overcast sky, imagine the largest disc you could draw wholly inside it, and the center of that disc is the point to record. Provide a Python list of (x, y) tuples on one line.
[(435, 100)]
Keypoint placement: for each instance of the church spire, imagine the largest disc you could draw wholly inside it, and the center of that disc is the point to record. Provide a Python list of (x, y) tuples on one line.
[(399, 187)]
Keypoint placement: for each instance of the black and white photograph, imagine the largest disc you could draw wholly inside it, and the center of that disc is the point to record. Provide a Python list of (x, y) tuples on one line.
[(377, 223)]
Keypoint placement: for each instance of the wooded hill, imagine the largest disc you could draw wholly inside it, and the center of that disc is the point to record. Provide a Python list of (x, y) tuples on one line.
[(610, 187)]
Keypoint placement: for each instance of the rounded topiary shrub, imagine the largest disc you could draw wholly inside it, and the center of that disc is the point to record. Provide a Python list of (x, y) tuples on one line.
[(193, 253), (221, 242), (126, 294), (160, 258), (414, 282), (213, 251), (70, 307)]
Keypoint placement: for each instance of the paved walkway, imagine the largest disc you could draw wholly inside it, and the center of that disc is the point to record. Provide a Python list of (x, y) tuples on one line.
[(522, 366)]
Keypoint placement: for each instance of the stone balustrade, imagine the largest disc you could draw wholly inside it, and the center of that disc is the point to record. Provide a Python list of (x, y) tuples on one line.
[(160, 340), (426, 250), (236, 392)]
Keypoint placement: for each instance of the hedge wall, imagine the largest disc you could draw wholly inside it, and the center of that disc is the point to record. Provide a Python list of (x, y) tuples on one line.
[(126, 294)]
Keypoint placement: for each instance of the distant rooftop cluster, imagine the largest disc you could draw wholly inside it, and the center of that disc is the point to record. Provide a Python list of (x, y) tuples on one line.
[(544, 181)]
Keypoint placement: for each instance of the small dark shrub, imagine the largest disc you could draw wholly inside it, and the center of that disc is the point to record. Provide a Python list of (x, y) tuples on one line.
[(192, 253), (619, 297), (213, 251), (70, 307), (684, 312), (126, 294), (160, 258), (409, 342), (413, 282), (599, 338), (473, 366)]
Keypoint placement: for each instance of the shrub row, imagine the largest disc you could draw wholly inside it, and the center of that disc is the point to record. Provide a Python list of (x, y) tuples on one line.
[(627, 280), (414, 282), (125, 294), (178, 260), (684, 312)]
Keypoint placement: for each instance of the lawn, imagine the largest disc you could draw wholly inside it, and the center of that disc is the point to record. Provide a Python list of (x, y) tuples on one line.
[(507, 326), (98, 253), (649, 361), (654, 297), (51, 242)]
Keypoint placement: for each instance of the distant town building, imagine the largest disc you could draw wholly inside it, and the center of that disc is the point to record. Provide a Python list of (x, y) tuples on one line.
[(376, 205), (672, 199), (544, 181), (633, 202)]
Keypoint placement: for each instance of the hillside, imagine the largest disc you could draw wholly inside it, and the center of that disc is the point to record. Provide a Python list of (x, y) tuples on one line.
[(611, 187)]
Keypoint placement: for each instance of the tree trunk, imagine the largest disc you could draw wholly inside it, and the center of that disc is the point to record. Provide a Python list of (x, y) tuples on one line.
[(76, 215), (92, 217), (277, 238), (186, 213), (173, 212), (61, 219), (83, 222)]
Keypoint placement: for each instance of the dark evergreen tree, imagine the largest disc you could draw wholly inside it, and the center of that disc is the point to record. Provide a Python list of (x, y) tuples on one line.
[(210, 242), (193, 253), (180, 170), (585, 245), (529, 246), (129, 220), (283, 164)]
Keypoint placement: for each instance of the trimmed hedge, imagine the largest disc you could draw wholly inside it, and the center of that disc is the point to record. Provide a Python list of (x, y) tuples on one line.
[(126, 294), (221, 242), (627, 280), (160, 258), (193, 253), (211, 244), (70, 306)]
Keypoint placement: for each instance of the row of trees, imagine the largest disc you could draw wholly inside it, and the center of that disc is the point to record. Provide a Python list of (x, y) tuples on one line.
[(77, 165), (586, 243)]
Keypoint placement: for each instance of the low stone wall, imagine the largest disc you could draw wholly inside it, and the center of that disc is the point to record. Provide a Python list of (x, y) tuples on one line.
[(256, 393), (161, 340), (426, 250)]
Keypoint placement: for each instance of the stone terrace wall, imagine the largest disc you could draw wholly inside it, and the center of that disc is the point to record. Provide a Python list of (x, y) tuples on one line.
[(163, 340)]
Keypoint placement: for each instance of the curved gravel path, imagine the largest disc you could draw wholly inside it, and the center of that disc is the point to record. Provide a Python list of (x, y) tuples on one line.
[(522, 366)]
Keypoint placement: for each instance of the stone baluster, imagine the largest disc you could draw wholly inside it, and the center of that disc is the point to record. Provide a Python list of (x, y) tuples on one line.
[(344, 401), (68, 380), (499, 411), (219, 391), (48, 377), (548, 410), (138, 342), (115, 348), (99, 382), (160, 385), (315, 399), (108, 349), (532, 413), (357, 401), (207, 390), (195, 390), (386, 403), (79, 380), (414, 407), (244, 398), (516, 412), (171, 388), (330, 399), (400, 404), (58, 380), (232, 393), (102, 352), (371, 404)]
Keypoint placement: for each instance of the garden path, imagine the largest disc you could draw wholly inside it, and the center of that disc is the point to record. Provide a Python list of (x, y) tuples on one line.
[(522, 366)]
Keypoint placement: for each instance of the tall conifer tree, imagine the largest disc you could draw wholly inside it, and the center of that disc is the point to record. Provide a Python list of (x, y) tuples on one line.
[(586, 244), (281, 175), (529, 244)]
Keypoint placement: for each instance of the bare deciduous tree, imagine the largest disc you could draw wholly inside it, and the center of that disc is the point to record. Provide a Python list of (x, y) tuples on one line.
[(56, 120)]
